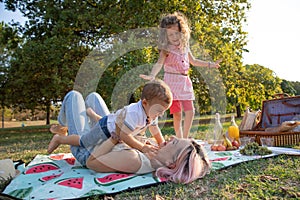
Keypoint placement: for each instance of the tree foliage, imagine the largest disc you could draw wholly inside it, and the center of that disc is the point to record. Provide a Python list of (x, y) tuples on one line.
[(9, 41), (296, 86), (65, 40)]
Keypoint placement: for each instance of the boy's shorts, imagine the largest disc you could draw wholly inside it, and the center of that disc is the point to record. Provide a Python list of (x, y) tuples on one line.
[(178, 104)]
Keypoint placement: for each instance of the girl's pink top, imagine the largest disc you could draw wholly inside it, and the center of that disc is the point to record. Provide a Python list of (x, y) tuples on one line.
[(176, 69)]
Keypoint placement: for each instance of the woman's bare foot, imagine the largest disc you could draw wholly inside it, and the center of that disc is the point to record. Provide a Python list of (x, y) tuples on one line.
[(59, 129), (54, 143)]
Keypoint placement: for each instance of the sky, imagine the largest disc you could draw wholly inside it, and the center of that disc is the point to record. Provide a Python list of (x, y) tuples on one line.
[(273, 35)]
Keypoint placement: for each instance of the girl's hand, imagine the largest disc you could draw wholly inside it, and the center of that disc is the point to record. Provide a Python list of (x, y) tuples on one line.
[(147, 77), (216, 64)]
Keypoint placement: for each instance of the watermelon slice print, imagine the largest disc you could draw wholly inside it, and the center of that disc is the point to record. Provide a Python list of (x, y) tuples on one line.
[(21, 193), (57, 156), (217, 165), (113, 178), (71, 182), (160, 179), (39, 168), (48, 178), (70, 161), (224, 153), (93, 193), (220, 159)]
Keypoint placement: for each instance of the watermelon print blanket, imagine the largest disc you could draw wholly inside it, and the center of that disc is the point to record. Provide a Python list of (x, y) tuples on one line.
[(60, 176)]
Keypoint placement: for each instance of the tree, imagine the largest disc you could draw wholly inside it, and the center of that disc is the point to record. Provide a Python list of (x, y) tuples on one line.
[(68, 29), (296, 86), (40, 73), (259, 84), (9, 41)]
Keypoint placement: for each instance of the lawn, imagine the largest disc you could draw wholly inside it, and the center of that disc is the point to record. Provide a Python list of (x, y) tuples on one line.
[(272, 178)]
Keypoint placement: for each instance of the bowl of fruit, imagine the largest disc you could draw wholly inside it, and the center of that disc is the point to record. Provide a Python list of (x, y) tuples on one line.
[(225, 144)]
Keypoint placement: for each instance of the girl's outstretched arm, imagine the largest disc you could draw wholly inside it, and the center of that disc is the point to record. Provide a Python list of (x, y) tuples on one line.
[(200, 63), (156, 67)]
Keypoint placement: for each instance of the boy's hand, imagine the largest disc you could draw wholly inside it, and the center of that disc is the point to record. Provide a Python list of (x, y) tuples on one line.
[(149, 149), (162, 144)]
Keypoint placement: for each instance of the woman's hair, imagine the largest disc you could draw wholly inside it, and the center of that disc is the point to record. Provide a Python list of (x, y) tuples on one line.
[(192, 163), (169, 20), (157, 89)]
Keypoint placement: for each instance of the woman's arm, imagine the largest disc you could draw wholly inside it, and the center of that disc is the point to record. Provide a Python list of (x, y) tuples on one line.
[(104, 160), (103, 148)]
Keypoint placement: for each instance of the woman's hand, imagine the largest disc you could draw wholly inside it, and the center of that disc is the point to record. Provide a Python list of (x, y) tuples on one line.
[(147, 77), (149, 149)]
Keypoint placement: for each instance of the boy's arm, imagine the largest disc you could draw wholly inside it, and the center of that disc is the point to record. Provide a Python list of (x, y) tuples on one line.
[(156, 133), (131, 141), (127, 137)]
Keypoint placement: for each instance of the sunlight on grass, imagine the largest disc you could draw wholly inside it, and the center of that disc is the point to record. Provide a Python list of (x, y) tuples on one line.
[(273, 178)]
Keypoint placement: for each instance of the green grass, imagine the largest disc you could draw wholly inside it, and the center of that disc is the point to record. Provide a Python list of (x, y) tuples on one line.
[(273, 178)]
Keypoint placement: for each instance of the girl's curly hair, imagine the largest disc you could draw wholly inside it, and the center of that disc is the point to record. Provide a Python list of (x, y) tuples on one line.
[(183, 26)]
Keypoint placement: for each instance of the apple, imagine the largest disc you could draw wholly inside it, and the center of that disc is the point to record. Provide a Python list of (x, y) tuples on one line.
[(214, 147), (221, 148), (235, 143)]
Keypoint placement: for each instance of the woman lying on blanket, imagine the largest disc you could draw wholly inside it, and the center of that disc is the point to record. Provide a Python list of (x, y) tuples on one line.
[(178, 160)]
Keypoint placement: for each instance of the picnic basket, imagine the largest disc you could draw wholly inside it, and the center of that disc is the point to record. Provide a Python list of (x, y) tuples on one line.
[(274, 113)]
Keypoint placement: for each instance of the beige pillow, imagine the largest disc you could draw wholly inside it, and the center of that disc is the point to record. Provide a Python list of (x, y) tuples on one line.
[(7, 170)]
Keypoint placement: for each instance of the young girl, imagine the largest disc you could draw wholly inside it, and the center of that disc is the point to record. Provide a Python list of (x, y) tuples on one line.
[(176, 58)]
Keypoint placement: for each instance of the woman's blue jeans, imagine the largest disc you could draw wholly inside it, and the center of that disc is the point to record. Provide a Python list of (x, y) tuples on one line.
[(73, 115)]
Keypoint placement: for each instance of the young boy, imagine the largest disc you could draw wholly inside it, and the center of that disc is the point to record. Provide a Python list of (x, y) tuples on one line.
[(123, 125)]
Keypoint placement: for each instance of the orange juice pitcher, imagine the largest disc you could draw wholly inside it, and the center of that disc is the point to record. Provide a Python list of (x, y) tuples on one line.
[(233, 130)]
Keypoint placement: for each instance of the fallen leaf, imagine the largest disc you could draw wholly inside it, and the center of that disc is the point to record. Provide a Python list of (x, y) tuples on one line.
[(265, 178), (158, 197)]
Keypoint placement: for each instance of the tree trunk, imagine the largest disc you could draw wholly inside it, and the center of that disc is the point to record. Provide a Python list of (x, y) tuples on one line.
[(238, 110), (3, 117), (48, 114)]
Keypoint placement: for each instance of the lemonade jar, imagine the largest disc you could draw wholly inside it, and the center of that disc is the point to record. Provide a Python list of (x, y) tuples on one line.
[(233, 130)]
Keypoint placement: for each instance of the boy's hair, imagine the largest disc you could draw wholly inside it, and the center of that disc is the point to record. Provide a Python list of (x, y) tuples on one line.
[(167, 21), (157, 89)]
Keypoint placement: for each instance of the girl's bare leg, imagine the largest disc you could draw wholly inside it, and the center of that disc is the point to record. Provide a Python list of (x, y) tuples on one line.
[(59, 129), (177, 124), (188, 121)]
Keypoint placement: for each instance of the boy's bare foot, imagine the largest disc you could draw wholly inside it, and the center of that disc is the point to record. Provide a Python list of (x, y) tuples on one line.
[(54, 143), (59, 129)]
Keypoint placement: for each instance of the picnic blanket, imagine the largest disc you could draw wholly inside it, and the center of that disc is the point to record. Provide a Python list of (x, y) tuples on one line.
[(60, 176)]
